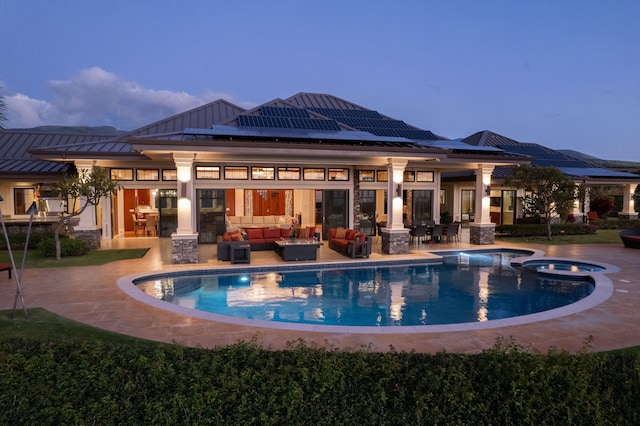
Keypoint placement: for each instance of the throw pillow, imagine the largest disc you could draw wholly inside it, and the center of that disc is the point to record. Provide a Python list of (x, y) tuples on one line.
[(303, 233)]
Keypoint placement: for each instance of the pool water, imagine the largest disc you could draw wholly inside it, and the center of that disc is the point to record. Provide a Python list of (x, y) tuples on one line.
[(561, 265), (463, 288)]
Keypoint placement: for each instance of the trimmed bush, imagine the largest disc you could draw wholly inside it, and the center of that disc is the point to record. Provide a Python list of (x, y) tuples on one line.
[(68, 247), (535, 230), (99, 383), (18, 239), (616, 223)]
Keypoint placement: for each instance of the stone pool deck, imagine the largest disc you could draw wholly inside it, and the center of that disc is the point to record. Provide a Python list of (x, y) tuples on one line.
[(92, 296)]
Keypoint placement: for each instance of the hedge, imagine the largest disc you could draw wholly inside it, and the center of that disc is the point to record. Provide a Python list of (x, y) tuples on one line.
[(531, 230), (68, 247), (99, 383), (18, 239)]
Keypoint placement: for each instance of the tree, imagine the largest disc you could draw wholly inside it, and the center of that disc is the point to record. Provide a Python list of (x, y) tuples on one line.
[(82, 190), (551, 192)]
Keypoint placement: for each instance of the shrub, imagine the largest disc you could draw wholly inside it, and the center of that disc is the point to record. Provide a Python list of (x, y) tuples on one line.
[(602, 206), (82, 383), (18, 239), (540, 230), (68, 247)]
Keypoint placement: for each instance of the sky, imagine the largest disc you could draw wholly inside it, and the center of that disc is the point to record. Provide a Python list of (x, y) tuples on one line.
[(561, 73)]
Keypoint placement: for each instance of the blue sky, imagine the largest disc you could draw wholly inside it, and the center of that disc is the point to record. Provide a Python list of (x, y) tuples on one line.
[(565, 74)]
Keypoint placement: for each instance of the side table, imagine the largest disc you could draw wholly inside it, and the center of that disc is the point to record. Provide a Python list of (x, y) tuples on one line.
[(240, 253)]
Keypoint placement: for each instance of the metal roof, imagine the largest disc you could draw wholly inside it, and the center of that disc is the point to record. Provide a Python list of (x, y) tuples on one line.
[(205, 116), (295, 133), (595, 172), (543, 156), (15, 146)]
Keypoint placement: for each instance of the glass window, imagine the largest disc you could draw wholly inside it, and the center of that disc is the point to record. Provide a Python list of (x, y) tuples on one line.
[(313, 174), (147, 174), (122, 174), (409, 176), (468, 204), (338, 174), (236, 172), (383, 175), (424, 176), (169, 174), (366, 175), (207, 172), (422, 206), (289, 173), (263, 173), (22, 199)]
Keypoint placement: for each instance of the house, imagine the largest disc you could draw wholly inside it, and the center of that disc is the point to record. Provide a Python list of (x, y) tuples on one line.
[(323, 160)]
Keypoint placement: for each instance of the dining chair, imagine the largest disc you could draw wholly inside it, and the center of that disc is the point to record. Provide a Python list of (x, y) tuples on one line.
[(453, 232), (151, 225), (437, 233), (420, 233), (138, 226)]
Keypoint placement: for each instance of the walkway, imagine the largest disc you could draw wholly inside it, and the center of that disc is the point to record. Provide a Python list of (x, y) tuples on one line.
[(91, 295)]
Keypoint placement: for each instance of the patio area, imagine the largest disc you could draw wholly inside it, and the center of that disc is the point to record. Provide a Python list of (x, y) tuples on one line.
[(91, 295)]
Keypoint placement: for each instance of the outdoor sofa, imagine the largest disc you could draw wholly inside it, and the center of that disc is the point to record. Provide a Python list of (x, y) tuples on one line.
[(631, 237)]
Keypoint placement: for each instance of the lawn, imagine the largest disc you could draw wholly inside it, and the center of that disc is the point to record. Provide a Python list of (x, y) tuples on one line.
[(95, 257), (43, 325)]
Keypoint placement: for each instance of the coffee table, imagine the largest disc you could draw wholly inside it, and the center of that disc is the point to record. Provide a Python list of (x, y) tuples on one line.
[(298, 249)]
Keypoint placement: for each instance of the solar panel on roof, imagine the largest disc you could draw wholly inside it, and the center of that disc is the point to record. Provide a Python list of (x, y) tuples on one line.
[(283, 112), (351, 113), (312, 123), (287, 122)]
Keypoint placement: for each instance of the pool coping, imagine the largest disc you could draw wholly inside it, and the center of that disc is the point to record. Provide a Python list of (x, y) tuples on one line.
[(603, 290)]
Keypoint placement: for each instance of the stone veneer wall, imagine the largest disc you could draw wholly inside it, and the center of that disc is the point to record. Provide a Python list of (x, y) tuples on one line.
[(395, 242), (184, 249), (90, 237), (482, 234)]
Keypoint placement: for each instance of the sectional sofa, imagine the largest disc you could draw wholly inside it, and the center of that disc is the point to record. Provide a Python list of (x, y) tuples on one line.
[(259, 238), (350, 242), (272, 221)]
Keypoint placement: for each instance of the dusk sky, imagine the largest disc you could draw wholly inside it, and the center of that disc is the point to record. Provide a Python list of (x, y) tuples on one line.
[(562, 73)]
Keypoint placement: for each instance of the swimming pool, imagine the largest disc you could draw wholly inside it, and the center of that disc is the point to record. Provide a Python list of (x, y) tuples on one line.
[(461, 288)]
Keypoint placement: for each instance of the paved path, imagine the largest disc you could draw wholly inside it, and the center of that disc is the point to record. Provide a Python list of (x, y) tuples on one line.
[(91, 295)]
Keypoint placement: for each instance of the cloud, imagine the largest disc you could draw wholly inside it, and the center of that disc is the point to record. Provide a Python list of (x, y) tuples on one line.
[(95, 97)]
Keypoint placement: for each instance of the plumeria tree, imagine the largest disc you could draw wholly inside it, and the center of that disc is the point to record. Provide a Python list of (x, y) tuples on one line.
[(551, 192), (82, 190)]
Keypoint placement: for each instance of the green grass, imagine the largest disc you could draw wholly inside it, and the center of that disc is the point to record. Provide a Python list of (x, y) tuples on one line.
[(93, 258), (602, 236), (43, 325)]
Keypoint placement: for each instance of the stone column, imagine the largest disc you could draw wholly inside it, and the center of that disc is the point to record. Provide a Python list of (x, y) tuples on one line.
[(395, 237), (184, 242), (482, 231)]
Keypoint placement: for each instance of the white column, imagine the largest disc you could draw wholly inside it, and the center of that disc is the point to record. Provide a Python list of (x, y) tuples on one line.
[(184, 164), (88, 216), (107, 220), (483, 187), (395, 170), (628, 206)]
